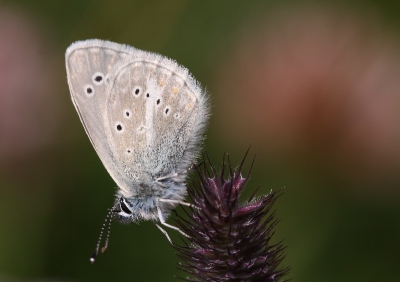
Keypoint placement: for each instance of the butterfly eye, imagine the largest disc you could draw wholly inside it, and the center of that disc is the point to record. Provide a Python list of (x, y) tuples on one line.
[(124, 207)]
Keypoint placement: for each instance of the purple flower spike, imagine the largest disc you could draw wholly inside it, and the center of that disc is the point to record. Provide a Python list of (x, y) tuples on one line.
[(229, 241)]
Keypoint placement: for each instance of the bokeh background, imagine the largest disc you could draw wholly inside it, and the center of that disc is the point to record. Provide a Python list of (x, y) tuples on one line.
[(312, 86)]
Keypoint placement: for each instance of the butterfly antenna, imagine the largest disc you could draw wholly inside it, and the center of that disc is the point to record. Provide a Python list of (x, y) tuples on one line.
[(96, 251), (104, 248)]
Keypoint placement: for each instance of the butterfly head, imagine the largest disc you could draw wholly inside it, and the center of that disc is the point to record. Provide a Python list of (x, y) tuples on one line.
[(123, 210)]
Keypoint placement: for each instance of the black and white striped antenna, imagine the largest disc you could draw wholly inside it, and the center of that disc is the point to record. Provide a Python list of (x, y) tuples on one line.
[(104, 248)]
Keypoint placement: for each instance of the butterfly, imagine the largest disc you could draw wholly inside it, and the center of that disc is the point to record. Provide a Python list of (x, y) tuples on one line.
[(145, 116)]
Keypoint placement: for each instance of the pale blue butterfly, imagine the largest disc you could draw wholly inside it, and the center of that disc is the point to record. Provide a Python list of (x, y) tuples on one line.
[(145, 116)]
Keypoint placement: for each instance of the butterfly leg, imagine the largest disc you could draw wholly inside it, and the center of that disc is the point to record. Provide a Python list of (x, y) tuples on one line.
[(168, 176), (162, 220), (194, 166), (176, 174), (165, 233), (178, 202)]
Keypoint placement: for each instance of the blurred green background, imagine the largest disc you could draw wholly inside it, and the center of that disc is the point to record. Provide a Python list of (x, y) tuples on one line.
[(313, 86)]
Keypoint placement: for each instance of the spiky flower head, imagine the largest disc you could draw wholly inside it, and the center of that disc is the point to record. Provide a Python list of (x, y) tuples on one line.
[(229, 241)]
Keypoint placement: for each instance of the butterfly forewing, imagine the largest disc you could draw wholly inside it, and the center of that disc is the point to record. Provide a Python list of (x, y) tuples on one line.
[(89, 65)]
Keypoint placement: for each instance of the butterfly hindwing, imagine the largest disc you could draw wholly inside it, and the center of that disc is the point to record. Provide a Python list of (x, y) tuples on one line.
[(156, 135)]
